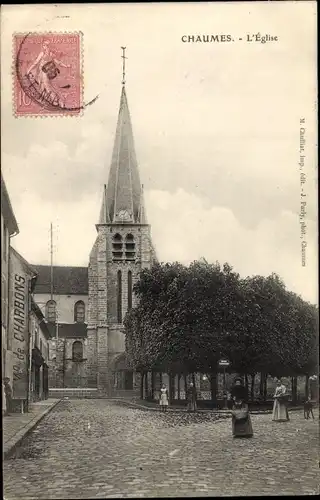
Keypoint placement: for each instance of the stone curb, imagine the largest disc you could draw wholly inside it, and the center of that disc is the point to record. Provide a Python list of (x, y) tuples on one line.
[(226, 413), (11, 445)]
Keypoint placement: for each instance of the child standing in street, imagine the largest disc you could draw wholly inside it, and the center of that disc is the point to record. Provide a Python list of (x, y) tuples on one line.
[(164, 398)]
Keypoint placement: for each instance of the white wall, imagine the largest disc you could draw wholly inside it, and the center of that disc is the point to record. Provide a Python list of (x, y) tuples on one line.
[(65, 305)]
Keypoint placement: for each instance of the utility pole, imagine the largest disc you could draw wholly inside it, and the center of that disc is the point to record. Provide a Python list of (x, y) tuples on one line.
[(51, 261), (56, 311)]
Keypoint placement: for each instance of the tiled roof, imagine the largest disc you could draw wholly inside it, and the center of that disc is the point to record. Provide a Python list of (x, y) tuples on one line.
[(43, 325), (68, 330), (66, 280), (7, 211), (30, 267)]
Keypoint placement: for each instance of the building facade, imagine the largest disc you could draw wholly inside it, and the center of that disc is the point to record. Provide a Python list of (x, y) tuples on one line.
[(84, 308), (40, 349), (21, 284), (61, 293), (9, 228)]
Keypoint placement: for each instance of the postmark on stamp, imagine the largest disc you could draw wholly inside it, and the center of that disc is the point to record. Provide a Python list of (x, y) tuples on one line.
[(47, 74)]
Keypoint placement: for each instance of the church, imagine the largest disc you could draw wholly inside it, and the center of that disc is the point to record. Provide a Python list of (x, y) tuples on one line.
[(85, 307)]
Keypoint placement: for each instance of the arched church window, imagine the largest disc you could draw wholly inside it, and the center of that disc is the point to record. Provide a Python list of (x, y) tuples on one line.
[(77, 351), (130, 247), (51, 311), (79, 311), (129, 290), (117, 247), (119, 297)]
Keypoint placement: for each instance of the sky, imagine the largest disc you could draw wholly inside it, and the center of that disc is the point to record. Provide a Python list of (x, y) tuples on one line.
[(216, 129)]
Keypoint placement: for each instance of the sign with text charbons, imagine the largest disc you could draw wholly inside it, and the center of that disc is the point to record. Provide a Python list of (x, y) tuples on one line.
[(19, 325)]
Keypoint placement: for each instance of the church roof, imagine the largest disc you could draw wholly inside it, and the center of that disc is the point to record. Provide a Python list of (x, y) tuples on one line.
[(68, 330), (124, 191), (66, 280)]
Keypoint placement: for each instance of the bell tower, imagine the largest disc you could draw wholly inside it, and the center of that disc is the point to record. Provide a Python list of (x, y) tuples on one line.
[(122, 248)]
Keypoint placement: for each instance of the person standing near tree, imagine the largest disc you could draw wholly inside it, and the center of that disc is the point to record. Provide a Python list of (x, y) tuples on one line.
[(192, 398), (164, 398), (241, 421), (8, 393), (280, 410)]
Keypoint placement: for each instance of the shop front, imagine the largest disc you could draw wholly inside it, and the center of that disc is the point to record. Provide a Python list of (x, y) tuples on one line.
[(39, 376)]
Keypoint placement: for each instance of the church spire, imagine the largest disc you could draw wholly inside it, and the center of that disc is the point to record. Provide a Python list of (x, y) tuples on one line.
[(142, 214), (104, 218), (123, 196), (123, 65)]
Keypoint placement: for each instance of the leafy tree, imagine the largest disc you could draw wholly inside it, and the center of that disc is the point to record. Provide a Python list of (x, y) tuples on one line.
[(189, 317)]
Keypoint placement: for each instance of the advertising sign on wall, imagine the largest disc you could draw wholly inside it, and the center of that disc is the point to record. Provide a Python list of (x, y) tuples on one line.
[(18, 324)]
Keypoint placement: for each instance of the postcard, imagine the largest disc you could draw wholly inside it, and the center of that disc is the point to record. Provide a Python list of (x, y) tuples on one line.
[(159, 249)]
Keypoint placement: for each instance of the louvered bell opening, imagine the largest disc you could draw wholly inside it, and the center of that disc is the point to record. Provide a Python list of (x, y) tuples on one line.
[(117, 247), (130, 247), (117, 255), (130, 255)]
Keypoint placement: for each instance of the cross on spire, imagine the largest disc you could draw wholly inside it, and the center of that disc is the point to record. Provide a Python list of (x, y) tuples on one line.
[(123, 65)]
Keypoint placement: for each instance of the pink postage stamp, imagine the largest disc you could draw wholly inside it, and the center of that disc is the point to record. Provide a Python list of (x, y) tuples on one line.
[(47, 74)]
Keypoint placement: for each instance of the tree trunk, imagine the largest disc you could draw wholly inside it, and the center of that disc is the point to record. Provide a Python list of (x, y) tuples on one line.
[(179, 376), (246, 382), (171, 387), (265, 387), (185, 385), (261, 384), (152, 383), (253, 376), (294, 390), (306, 391), (160, 380), (213, 388), (141, 384), (146, 385)]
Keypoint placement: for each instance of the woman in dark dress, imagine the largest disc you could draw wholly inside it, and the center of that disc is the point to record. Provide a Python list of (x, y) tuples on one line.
[(241, 421)]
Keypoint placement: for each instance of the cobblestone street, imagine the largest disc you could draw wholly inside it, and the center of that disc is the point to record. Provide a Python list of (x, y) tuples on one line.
[(98, 449)]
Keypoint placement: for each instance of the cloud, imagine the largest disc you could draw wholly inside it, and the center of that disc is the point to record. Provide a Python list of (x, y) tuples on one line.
[(55, 171), (216, 130), (73, 230), (184, 229)]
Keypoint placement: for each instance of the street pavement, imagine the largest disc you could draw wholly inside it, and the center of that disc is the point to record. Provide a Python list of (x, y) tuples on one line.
[(16, 425), (100, 449)]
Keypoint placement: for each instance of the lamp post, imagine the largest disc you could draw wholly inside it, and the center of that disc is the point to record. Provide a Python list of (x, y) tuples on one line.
[(224, 363), (57, 340)]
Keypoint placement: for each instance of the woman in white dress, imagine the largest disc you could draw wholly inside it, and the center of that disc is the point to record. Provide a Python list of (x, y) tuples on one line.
[(164, 398), (280, 410)]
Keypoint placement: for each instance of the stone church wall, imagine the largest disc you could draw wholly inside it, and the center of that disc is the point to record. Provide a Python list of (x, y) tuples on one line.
[(63, 370), (106, 339)]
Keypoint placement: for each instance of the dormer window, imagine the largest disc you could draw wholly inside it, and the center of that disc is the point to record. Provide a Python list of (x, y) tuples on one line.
[(130, 247), (117, 247)]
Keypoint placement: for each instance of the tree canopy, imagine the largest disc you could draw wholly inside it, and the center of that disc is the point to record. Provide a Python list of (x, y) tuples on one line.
[(188, 317)]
